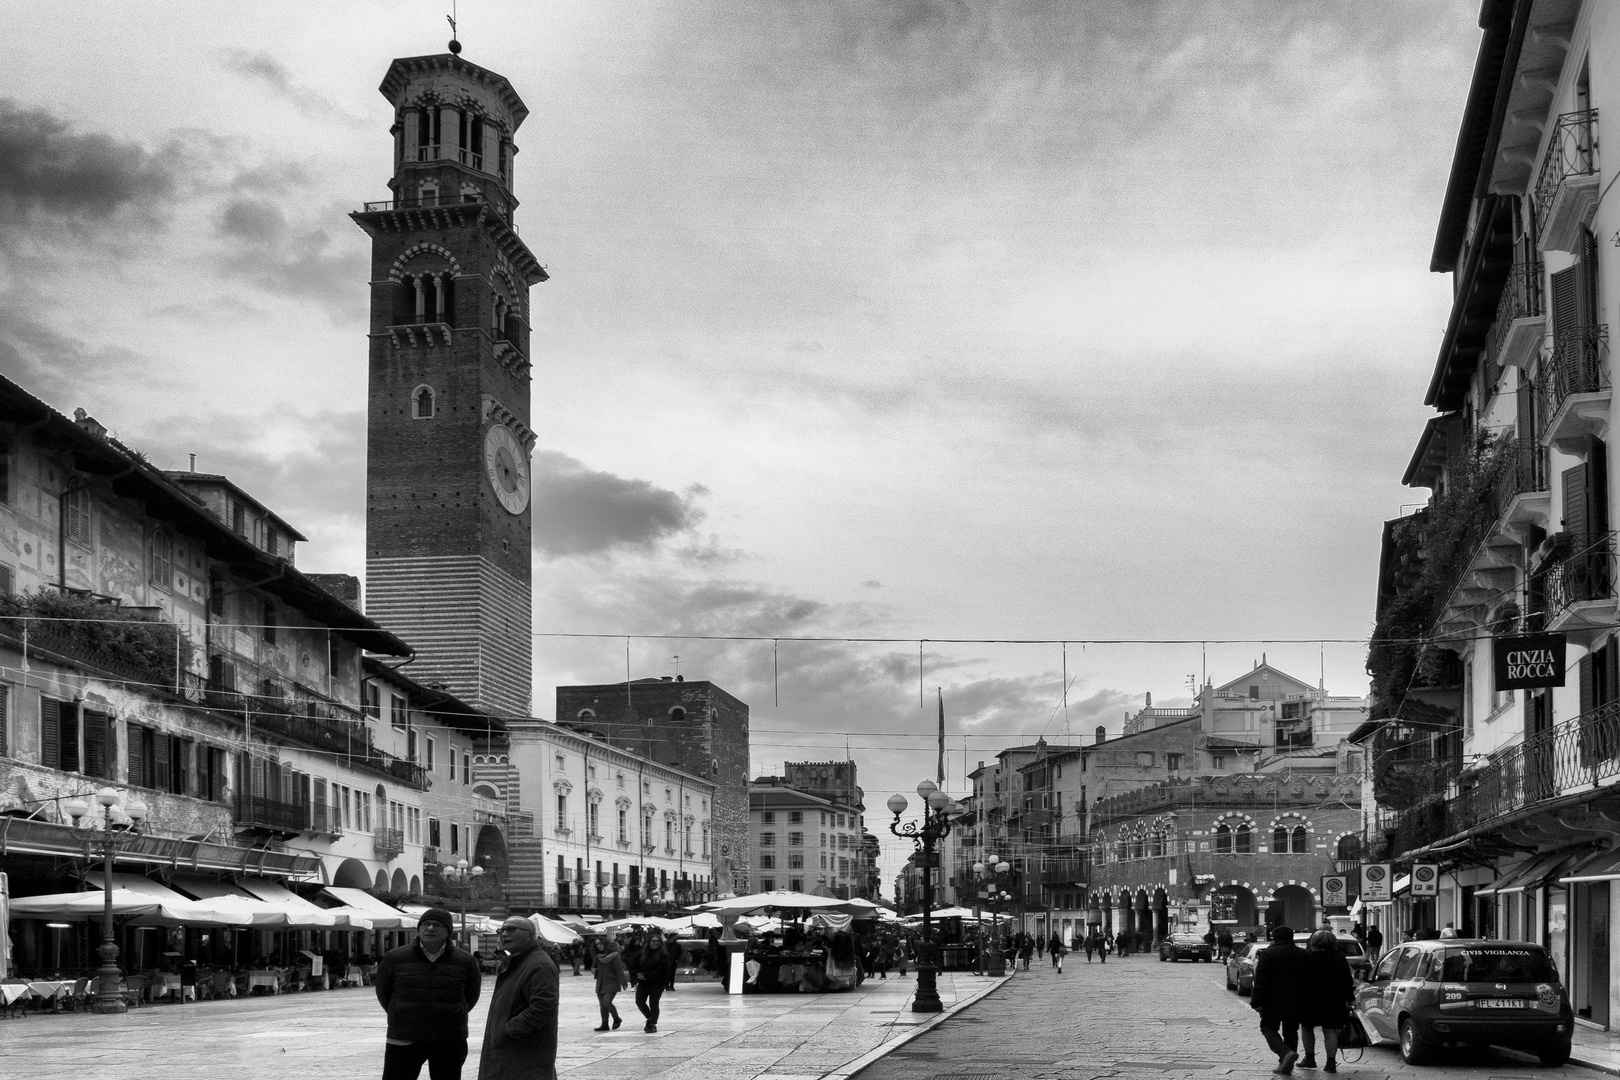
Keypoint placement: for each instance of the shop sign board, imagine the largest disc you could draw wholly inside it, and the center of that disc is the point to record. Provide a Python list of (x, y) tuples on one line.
[(1425, 879), (1375, 882), (1528, 661)]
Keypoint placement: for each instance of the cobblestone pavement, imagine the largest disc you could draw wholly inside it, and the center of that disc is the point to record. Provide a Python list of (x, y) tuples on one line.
[(703, 1034), (1138, 1018)]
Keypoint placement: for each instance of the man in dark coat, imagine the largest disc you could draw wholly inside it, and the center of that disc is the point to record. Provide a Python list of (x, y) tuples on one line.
[(520, 1036), (1282, 995), (427, 988)]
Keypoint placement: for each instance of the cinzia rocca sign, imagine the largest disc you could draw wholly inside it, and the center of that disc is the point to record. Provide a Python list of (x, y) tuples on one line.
[(1528, 662)]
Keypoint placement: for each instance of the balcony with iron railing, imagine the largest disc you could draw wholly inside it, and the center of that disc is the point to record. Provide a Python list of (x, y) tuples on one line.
[(1575, 386), (318, 723), (273, 815), (325, 820), (1578, 586), (1566, 191), (1515, 335), (387, 843)]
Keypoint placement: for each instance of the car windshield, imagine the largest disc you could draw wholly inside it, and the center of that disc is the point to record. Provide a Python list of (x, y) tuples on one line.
[(1496, 964), (1350, 947), (1187, 939)]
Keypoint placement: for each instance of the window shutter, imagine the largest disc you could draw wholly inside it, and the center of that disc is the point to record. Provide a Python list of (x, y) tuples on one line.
[(5, 700), (304, 797), (180, 777), (50, 733), (1586, 295), (1527, 414), (67, 715), (95, 745), (1575, 520), (1588, 691), (160, 761), (1565, 299), (1597, 489), (137, 756)]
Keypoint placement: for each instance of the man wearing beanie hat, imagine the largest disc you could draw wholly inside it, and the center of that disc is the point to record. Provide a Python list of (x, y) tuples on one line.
[(427, 988)]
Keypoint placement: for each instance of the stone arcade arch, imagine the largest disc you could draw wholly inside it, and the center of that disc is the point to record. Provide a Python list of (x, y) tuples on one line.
[(1233, 904), (352, 874), (1292, 905)]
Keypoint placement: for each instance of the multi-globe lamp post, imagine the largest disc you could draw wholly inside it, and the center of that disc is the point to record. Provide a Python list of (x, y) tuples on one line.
[(935, 826), (109, 996), (463, 877), (992, 870)]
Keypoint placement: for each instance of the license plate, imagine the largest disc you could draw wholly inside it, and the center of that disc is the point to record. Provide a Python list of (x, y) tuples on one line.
[(1502, 1003)]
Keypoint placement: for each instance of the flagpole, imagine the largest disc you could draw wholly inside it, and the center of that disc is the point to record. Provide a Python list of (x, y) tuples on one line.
[(941, 693)]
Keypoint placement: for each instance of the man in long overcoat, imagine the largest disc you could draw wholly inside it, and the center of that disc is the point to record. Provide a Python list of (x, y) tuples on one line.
[(1283, 980), (520, 1036)]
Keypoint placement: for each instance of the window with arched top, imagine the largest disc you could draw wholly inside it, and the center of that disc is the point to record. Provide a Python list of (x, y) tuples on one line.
[(1301, 841), (162, 560), (1223, 839), (1243, 839), (423, 403), (1157, 849), (1279, 838), (1349, 848)]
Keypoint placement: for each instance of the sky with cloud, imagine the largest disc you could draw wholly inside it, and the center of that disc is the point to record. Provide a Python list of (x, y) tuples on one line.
[(892, 320)]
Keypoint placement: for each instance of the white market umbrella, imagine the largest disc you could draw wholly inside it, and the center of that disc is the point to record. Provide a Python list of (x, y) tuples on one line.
[(127, 904), (553, 931), (780, 900), (637, 922)]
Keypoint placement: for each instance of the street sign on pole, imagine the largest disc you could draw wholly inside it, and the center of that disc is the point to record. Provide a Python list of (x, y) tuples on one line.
[(1335, 891), (1375, 882), (1425, 879)]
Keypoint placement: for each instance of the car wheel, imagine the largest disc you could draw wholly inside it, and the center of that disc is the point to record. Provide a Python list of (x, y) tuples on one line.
[(1414, 1051), (1245, 991), (1557, 1054), (1229, 985)]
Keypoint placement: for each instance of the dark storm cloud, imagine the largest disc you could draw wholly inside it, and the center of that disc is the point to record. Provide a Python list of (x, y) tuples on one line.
[(265, 248), (267, 71), (582, 511), (49, 170)]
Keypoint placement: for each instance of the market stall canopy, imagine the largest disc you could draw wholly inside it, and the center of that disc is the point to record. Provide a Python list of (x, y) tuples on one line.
[(636, 922), (553, 931), (127, 904), (476, 923), (381, 916), (297, 914), (696, 924), (955, 913), (781, 900), (307, 914), (861, 909)]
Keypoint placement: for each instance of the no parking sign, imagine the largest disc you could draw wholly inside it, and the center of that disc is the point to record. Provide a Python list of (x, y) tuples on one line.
[(1375, 882), (1335, 890), (1425, 879)]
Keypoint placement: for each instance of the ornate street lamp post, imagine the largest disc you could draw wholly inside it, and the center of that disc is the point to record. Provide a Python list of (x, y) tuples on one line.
[(463, 877), (935, 826), (109, 998), (992, 870)]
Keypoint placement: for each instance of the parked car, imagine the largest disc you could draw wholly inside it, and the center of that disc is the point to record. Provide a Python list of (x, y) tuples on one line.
[(1467, 992), (1356, 955), (1186, 947), (1240, 967)]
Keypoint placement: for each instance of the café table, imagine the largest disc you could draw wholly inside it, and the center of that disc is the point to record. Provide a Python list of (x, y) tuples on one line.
[(266, 979), (12, 993), (51, 989), (164, 983)]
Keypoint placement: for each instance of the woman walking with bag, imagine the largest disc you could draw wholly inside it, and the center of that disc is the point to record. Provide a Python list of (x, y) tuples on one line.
[(1331, 991), (611, 977)]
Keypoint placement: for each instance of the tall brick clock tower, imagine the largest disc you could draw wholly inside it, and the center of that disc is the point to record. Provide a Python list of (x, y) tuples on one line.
[(448, 512)]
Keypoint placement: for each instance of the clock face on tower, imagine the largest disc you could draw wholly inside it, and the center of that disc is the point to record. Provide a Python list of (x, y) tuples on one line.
[(506, 463)]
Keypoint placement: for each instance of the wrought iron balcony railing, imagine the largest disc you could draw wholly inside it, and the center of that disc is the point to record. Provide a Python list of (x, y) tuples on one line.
[(386, 843), (1510, 341), (256, 811), (1580, 752), (1577, 364), (1572, 152), (1524, 472), (1582, 575)]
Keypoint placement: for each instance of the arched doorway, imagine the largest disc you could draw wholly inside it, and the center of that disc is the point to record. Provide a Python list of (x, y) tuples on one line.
[(352, 874), (399, 883), (1161, 916), (416, 885), (1233, 906), (1292, 906), (381, 884)]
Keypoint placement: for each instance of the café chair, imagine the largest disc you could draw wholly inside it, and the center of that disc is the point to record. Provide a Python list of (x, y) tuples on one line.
[(134, 989)]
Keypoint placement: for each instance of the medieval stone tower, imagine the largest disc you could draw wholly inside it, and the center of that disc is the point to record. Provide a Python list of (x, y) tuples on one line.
[(448, 513)]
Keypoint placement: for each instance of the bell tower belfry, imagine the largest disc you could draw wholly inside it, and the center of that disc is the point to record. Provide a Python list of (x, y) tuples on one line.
[(448, 436)]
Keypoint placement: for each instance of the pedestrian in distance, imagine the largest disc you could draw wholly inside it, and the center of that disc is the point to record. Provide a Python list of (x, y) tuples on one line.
[(673, 944), (576, 954), (520, 1034), (652, 973), (1375, 942), (427, 988), (1332, 988), (1055, 947), (1282, 995), (611, 977), (1224, 941), (1026, 950), (1091, 943)]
